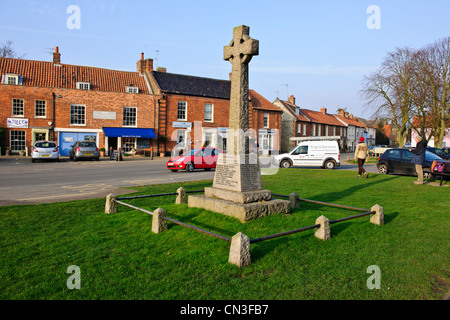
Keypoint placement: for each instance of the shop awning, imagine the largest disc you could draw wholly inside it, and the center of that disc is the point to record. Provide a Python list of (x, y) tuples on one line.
[(129, 132)]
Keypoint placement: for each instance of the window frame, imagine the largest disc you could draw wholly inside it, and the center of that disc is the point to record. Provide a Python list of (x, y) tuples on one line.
[(12, 135), (129, 117), (83, 85), (211, 112), (184, 104), (266, 120), (80, 107), (132, 89), (44, 116), (14, 107)]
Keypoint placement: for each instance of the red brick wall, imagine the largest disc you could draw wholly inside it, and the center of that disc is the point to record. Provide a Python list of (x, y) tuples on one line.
[(195, 112)]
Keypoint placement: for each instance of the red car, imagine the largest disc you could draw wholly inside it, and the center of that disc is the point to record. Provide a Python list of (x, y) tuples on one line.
[(204, 158)]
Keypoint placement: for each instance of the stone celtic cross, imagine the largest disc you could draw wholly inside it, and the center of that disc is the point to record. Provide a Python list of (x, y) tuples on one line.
[(237, 189), (240, 51)]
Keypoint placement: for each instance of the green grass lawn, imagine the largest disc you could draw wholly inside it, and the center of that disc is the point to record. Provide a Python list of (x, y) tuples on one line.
[(120, 258)]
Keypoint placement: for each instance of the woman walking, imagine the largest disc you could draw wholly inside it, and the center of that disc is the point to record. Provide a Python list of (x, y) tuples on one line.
[(361, 154)]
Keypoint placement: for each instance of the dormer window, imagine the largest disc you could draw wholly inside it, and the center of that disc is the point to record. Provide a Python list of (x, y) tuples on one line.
[(83, 86), (131, 89), (13, 79)]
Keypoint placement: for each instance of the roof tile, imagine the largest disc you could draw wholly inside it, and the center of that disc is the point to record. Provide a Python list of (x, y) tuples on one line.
[(47, 74)]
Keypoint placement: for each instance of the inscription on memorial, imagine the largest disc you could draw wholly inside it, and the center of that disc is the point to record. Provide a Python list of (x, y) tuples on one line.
[(226, 177), (252, 176)]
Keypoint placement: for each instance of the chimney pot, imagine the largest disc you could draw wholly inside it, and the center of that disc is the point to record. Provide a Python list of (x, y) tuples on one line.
[(56, 56), (142, 56), (292, 99)]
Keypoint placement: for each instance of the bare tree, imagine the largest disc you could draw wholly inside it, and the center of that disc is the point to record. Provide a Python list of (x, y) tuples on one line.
[(390, 91), (7, 50), (433, 72)]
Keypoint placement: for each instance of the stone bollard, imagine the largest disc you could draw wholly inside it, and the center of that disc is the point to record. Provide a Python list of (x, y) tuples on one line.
[(181, 197), (240, 250), (294, 200), (323, 232), (110, 205), (378, 216), (159, 224)]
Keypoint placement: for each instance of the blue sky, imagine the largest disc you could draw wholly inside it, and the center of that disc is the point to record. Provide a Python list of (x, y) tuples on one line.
[(318, 51)]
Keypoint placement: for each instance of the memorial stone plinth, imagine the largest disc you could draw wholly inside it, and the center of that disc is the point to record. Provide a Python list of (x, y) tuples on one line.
[(237, 188)]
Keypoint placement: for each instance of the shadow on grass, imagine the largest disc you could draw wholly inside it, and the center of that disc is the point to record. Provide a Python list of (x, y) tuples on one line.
[(333, 197)]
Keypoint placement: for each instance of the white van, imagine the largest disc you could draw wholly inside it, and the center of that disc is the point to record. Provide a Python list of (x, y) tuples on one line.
[(323, 154)]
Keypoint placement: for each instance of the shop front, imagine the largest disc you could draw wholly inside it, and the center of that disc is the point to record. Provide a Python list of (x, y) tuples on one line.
[(127, 139)]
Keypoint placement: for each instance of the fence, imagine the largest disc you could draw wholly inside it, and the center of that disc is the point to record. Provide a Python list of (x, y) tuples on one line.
[(240, 243)]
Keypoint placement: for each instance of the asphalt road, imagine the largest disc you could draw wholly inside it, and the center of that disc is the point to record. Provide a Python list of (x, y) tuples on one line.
[(24, 182)]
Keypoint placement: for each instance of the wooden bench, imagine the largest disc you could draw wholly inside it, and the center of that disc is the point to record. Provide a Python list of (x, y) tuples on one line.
[(145, 150)]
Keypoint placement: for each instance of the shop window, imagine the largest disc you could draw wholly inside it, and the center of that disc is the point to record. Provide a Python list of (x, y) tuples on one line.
[(17, 140)]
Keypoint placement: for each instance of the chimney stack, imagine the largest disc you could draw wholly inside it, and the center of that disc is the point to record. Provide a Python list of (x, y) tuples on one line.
[(56, 56), (291, 99), (323, 110), (144, 65)]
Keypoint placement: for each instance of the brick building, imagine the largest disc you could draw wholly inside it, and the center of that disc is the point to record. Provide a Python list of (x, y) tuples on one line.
[(195, 111), (132, 110), (297, 123), (49, 100)]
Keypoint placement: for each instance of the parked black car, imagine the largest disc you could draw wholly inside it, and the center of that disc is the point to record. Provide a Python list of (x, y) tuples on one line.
[(439, 152), (398, 161), (446, 150)]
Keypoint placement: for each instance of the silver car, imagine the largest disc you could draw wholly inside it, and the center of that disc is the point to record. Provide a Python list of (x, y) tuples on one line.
[(84, 150), (45, 150)]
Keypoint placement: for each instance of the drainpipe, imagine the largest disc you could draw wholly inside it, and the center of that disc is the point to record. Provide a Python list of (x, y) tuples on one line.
[(52, 133)]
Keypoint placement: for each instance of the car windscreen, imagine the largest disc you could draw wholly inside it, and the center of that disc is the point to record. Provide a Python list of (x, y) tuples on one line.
[(45, 145), (190, 153), (87, 144), (431, 156)]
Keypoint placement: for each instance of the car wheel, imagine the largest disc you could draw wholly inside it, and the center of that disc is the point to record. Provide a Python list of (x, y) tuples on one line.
[(207, 169), (383, 168), (174, 170), (190, 167), (329, 164), (285, 164), (33, 160)]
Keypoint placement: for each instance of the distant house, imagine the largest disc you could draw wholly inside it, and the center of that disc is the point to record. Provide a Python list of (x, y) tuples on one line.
[(370, 131), (355, 129), (299, 123)]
